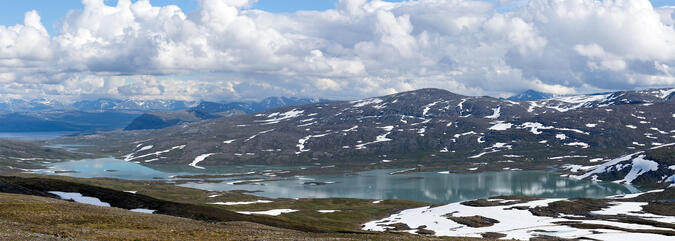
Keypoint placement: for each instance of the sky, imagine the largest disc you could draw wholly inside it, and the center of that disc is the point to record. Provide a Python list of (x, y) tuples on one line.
[(338, 49)]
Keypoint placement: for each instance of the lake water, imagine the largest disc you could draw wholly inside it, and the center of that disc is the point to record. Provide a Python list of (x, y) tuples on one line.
[(34, 136), (429, 186), (378, 184), (116, 168)]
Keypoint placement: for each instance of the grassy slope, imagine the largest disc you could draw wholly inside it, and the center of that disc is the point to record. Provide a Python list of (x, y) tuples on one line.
[(25, 217), (353, 212)]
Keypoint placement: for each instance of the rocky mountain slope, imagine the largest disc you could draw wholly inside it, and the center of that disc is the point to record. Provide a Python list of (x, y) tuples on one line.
[(429, 129), (163, 119), (17, 156)]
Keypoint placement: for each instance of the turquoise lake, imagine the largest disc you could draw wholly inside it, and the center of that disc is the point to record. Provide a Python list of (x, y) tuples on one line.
[(429, 187)]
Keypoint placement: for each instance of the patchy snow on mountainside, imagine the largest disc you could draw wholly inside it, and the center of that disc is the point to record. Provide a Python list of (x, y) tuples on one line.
[(628, 168), (302, 141), (277, 117), (131, 157), (365, 102)]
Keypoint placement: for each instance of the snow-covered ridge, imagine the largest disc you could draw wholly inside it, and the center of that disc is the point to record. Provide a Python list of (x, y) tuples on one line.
[(567, 103)]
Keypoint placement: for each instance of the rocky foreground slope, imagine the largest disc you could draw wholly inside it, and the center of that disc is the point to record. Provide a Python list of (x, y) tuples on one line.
[(428, 129)]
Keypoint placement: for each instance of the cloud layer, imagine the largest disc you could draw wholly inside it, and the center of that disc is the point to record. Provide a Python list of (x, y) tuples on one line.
[(225, 50)]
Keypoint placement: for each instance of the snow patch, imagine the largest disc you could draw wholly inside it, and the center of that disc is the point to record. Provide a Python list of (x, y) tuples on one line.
[(427, 108), (259, 133), (131, 156), (302, 141), (273, 212), (143, 210), (78, 198), (199, 159), (535, 127), (277, 117), (501, 126), (145, 148), (639, 167), (496, 113), (579, 144), (327, 211), (561, 136)]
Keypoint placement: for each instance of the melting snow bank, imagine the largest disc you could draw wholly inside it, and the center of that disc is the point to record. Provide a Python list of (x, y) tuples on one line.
[(327, 211), (78, 198), (143, 210), (516, 221), (273, 212)]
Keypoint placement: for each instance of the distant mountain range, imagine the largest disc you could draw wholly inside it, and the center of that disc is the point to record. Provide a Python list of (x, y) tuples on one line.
[(211, 110), (43, 115), (430, 128), (531, 95), (254, 107), (132, 105), (44, 104), (48, 121)]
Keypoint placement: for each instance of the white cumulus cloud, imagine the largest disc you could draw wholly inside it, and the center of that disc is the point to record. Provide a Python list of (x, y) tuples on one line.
[(226, 50)]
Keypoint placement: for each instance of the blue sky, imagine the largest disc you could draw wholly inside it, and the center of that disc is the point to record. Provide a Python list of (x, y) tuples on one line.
[(52, 11)]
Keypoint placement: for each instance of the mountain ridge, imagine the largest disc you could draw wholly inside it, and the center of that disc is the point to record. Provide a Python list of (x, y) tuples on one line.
[(434, 128)]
